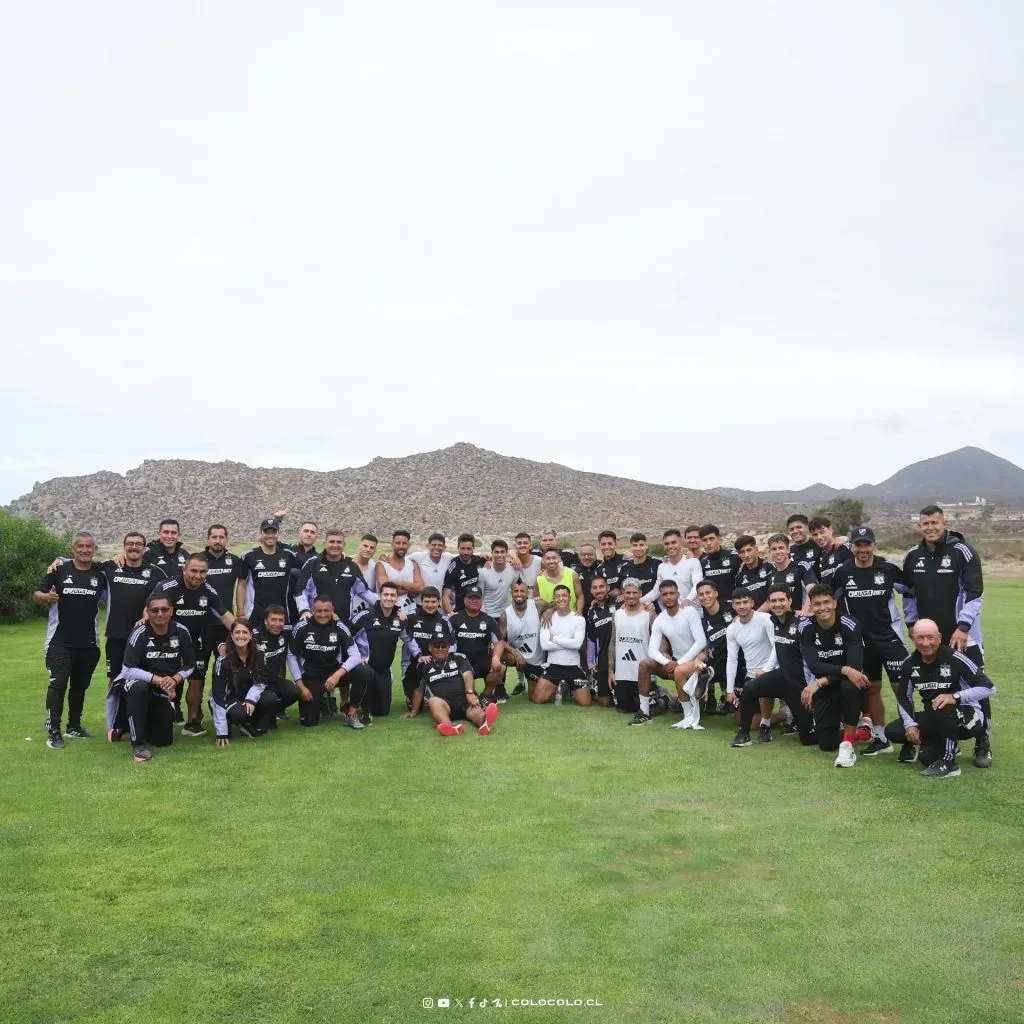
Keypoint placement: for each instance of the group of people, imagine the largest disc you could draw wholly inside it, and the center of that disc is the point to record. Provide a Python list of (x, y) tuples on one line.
[(797, 642)]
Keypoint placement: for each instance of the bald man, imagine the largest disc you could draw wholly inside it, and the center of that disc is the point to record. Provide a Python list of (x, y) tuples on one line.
[(951, 688)]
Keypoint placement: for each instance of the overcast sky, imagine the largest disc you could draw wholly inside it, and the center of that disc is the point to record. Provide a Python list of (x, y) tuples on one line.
[(701, 244)]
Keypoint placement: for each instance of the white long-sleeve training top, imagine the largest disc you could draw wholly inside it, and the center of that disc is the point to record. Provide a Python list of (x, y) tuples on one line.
[(686, 573), (756, 638), (562, 640), (684, 632)]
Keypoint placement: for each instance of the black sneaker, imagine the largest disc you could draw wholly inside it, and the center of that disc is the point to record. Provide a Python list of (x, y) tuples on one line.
[(55, 741), (741, 739), (877, 746), (271, 725), (724, 708), (248, 729), (520, 688), (639, 719), (764, 733), (908, 754), (788, 728), (365, 717), (140, 752), (193, 728), (710, 707), (942, 770), (77, 732), (500, 695), (178, 716), (282, 716), (982, 754), (704, 677)]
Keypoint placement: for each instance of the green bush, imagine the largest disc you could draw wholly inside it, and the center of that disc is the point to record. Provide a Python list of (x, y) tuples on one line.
[(26, 549)]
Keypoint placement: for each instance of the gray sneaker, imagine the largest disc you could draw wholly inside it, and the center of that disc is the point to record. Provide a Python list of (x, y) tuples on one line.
[(352, 721)]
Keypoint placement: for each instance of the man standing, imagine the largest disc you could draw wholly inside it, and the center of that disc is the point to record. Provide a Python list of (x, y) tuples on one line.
[(715, 617), (73, 591), (865, 588), (640, 566), (496, 580), (463, 573), (157, 660), (526, 562), (477, 638), (447, 689), (610, 568), (194, 601), (303, 551), (323, 656), (166, 552), (399, 568), (944, 573), (679, 566), (718, 565), (833, 651), (587, 571), (224, 570), (549, 542), (561, 641), (332, 575), (367, 565), (555, 575), (269, 567), (520, 626), (433, 562), (682, 628), (754, 573), (802, 548), (785, 572), (952, 688), (600, 619), (831, 552)]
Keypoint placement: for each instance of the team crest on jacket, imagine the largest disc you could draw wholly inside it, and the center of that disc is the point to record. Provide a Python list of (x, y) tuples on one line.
[(145, 574), (280, 562), (792, 629), (227, 561), (93, 582), (839, 639), (879, 578), (333, 638), (945, 671), (946, 562), (174, 641), (203, 602)]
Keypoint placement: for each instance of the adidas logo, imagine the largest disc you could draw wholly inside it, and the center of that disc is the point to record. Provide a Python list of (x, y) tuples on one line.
[(526, 649), (629, 656)]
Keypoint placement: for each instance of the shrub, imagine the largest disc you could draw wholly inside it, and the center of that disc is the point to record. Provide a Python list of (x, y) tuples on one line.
[(26, 549)]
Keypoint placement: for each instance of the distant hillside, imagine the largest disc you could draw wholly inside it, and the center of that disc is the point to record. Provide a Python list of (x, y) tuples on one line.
[(458, 488), (962, 475)]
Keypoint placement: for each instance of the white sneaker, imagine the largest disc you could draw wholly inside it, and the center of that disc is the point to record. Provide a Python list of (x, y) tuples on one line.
[(683, 723), (847, 756), (697, 727)]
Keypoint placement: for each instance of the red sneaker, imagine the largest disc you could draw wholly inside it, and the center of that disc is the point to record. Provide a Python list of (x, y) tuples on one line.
[(448, 729), (490, 716)]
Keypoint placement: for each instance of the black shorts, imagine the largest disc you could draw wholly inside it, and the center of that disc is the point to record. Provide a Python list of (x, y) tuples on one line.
[(601, 678), (457, 704), (481, 668), (889, 653), (572, 675), (532, 672)]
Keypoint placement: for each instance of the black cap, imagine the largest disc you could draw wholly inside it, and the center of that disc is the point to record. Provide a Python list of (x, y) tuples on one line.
[(473, 592), (270, 523), (438, 639), (864, 533)]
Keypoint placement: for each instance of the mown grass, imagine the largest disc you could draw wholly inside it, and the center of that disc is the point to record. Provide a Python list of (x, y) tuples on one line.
[(335, 876)]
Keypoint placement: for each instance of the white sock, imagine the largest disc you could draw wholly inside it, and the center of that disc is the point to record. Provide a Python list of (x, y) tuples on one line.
[(879, 732), (645, 703), (521, 677)]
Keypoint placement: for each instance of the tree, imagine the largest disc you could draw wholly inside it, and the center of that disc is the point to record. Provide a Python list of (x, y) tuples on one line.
[(845, 513), (26, 549)]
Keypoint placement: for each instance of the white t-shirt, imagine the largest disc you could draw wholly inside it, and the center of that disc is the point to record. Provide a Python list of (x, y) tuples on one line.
[(687, 573), (431, 571), (529, 575), (756, 639), (495, 586)]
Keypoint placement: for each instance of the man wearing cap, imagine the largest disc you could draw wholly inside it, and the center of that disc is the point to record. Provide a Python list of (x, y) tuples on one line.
[(265, 575), (446, 687), (478, 639), (865, 587)]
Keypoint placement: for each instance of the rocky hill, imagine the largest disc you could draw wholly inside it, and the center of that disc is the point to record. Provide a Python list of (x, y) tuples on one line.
[(957, 476), (458, 488)]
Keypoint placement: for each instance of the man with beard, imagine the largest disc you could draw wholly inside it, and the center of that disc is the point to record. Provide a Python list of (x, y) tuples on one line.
[(399, 568), (427, 624), (520, 626), (269, 567), (587, 571), (463, 573), (332, 575), (600, 618)]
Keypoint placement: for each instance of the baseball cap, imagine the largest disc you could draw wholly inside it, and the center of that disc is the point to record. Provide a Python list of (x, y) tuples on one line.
[(864, 533), (474, 592), (270, 523)]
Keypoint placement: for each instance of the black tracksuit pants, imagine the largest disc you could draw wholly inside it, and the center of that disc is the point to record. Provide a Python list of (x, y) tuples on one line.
[(150, 714), (940, 731), (70, 669), (777, 684)]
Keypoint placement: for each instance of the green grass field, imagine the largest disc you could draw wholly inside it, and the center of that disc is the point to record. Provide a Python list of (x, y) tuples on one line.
[(338, 876)]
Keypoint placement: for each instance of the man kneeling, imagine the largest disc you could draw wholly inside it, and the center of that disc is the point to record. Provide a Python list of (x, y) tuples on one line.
[(158, 659), (952, 688), (447, 687)]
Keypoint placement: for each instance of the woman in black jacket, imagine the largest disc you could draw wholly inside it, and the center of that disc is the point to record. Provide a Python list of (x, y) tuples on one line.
[(240, 694)]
